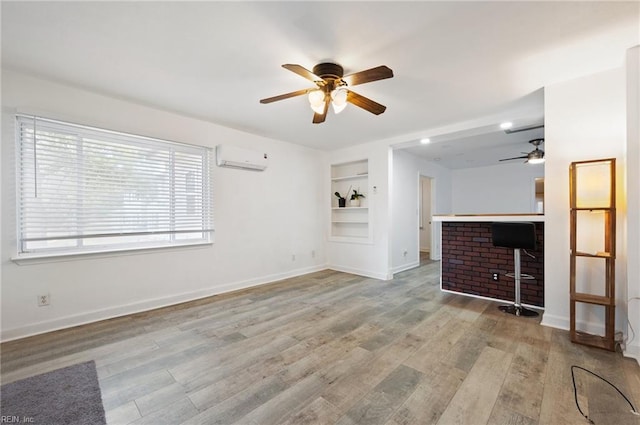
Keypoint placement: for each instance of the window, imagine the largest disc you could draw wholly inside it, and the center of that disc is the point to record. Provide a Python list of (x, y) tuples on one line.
[(83, 189)]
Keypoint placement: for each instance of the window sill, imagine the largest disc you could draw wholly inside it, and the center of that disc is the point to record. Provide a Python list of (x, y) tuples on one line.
[(39, 258)]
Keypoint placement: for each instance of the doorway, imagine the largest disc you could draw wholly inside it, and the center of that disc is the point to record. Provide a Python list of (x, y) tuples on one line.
[(538, 201), (425, 223)]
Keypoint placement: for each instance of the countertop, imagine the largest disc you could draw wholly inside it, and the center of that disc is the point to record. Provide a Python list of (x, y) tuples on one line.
[(488, 217)]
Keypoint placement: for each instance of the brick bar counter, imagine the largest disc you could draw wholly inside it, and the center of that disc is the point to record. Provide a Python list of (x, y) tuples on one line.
[(469, 259)]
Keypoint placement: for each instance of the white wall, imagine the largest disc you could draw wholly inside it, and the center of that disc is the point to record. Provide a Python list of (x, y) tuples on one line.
[(584, 119), (633, 197), (405, 209), (261, 220), (505, 188)]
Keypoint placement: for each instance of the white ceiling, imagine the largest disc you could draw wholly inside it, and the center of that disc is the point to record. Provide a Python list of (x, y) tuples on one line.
[(480, 148), (453, 61)]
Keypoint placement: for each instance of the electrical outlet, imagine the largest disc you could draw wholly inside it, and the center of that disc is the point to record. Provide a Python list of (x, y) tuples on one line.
[(293, 257), (495, 276), (43, 300), (313, 253), (404, 253)]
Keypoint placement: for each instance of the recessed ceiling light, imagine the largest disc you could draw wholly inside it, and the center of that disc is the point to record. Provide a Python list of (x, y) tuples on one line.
[(506, 125), (425, 141)]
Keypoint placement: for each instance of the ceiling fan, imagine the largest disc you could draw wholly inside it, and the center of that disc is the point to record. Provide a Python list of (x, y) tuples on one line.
[(332, 88), (536, 156)]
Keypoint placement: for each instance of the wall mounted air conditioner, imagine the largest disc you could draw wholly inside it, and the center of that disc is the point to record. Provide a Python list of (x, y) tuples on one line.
[(246, 159)]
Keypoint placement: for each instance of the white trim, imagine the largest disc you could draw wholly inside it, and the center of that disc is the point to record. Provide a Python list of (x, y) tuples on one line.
[(110, 313), (361, 272), (405, 267), (493, 217), (41, 258), (557, 322), (632, 352), (535, 307)]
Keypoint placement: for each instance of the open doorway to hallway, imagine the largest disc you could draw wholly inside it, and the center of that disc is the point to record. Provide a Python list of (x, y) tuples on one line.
[(424, 223)]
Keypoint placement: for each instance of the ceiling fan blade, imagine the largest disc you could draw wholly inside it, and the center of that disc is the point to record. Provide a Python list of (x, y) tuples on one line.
[(285, 96), (515, 157), (305, 73), (319, 118), (365, 103), (374, 74)]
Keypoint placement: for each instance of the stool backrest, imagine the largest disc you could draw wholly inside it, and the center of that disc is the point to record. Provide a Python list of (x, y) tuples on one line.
[(514, 235)]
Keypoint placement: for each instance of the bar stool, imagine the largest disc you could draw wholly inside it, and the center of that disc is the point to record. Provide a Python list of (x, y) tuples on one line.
[(516, 235)]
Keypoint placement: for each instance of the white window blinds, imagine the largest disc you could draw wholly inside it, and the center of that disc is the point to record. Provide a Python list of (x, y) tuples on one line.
[(87, 189)]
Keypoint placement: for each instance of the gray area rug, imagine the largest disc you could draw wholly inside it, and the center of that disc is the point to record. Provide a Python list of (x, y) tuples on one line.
[(66, 396)]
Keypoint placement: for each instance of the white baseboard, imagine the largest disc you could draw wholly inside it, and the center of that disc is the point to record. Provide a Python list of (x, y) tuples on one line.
[(152, 304), (405, 267), (361, 272), (558, 322), (632, 351)]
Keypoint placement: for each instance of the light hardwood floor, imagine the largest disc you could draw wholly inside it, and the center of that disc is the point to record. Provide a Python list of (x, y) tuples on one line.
[(333, 348)]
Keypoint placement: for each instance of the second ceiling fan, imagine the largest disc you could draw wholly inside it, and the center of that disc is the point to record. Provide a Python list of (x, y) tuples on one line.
[(536, 156), (332, 88)]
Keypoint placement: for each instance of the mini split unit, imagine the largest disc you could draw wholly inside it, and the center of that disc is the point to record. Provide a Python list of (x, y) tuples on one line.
[(245, 159)]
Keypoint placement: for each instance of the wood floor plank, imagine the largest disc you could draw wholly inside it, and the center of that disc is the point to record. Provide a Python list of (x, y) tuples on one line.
[(475, 399), (160, 398), (558, 405), (521, 393), (380, 403), (218, 364), (503, 416), (234, 408), (319, 412), (172, 413), (280, 407), (431, 397), (118, 392), (123, 414), (447, 333)]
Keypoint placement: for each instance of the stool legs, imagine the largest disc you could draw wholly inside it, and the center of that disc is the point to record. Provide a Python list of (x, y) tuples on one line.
[(516, 308)]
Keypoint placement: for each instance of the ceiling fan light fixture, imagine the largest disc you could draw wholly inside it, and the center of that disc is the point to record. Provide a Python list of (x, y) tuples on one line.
[(339, 99), (318, 109), (316, 100), (535, 157)]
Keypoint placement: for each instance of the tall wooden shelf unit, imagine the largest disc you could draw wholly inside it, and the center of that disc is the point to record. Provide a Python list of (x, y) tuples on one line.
[(593, 246), (350, 223)]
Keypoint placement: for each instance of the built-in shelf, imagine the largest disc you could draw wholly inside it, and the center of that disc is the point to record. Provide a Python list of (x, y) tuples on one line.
[(593, 255), (349, 208), (353, 177), (592, 190), (592, 209), (350, 223)]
